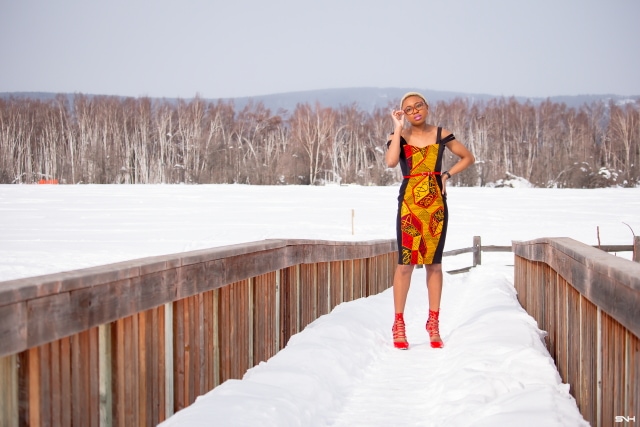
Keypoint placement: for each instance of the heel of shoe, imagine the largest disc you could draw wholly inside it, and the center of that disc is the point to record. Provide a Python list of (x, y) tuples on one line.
[(433, 328), (399, 334)]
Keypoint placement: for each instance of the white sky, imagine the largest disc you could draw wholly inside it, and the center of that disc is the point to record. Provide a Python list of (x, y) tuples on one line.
[(166, 48)]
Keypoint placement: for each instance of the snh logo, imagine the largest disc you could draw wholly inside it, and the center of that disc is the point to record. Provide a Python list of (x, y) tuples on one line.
[(621, 419)]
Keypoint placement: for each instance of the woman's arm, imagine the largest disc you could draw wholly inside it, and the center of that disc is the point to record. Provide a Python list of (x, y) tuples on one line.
[(466, 158), (392, 157)]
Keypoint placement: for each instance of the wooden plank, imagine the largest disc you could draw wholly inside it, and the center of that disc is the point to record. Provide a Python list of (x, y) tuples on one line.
[(66, 372), (236, 269), (633, 379), (136, 368), (60, 319), (9, 415), (209, 343), (234, 330), (13, 328), (348, 280), (105, 386), (152, 373), (45, 384), (159, 392), (359, 278), (493, 248), (370, 281), (336, 280), (92, 368), (34, 404), (308, 294), (612, 368), (197, 347), (322, 289), (225, 333), (168, 359), (265, 319), (457, 252), (588, 385), (188, 347), (143, 363), (289, 302), (55, 384), (179, 358), (243, 317), (119, 398), (615, 248), (131, 370), (572, 373), (215, 336)]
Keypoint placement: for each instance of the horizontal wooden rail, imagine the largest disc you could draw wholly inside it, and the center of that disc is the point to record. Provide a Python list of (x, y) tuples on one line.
[(477, 249), (588, 301), (131, 343)]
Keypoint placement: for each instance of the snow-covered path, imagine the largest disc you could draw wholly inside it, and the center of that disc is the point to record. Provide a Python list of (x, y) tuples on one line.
[(493, 366), (342, 370)]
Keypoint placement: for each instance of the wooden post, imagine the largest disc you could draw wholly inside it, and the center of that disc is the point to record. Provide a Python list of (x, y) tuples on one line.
[(636, 248), (477, 251), (353, 222)]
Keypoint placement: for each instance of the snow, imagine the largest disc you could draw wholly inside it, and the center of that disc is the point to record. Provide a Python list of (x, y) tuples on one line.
[(342, 370)]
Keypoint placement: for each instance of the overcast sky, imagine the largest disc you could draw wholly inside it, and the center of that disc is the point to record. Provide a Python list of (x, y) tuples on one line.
[(218, 49)]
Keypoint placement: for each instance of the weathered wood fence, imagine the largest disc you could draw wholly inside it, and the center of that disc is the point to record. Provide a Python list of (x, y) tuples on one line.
[(133, 342), (589, 303), (128, 344)]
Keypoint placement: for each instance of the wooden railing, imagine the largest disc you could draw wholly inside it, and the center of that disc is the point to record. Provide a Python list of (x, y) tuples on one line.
[(131, 343), (589, 303), (477, 249)]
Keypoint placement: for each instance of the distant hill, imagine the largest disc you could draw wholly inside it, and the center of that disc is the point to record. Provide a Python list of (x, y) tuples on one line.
[(366, 98)]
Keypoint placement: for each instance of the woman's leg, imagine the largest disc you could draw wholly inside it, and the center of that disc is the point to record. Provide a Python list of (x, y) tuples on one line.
[(434, 285), (401, 282), (434, 288)]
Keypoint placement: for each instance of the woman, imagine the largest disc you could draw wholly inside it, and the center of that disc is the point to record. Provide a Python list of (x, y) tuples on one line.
[(422, 208)]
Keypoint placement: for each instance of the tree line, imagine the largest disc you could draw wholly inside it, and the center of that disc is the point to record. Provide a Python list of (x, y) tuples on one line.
[(104, 139)]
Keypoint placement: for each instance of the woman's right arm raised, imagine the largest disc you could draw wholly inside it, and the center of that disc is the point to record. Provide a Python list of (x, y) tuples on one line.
[(393, 152)]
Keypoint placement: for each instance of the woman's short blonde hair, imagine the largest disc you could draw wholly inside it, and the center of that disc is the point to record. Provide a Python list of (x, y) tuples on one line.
[(408, 94)]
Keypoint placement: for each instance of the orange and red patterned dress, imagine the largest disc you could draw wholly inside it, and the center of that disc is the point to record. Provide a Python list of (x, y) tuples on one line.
[(422, 209)]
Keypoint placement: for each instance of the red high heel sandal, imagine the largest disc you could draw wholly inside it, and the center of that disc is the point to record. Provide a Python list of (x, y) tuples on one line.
[(433, 329), (399, 333)]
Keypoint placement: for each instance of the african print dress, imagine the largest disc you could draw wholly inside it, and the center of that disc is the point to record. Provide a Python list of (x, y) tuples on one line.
[(422, 210)]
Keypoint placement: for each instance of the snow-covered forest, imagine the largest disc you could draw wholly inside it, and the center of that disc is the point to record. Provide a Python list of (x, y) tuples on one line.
[(101, 139)]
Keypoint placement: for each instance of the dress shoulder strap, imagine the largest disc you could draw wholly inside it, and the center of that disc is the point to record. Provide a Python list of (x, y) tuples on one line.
[(446, 139)]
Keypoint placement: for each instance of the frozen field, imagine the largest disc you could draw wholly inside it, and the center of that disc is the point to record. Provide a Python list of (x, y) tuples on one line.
[(342, 369)]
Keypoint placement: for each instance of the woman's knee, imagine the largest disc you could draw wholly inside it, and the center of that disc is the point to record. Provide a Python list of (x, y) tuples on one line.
[(404, 269), (434, 268)]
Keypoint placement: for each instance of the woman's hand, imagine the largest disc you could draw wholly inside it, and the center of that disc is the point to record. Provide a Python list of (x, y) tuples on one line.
[(398, 119), (444, 178)]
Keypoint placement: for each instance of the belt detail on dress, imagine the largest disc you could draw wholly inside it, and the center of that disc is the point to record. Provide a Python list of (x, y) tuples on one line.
[(421, 174)]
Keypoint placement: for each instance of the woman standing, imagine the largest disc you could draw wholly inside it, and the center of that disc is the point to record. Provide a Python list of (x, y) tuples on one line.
[(422, 208)]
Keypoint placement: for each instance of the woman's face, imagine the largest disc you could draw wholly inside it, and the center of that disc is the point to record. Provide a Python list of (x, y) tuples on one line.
[(415, 109)]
